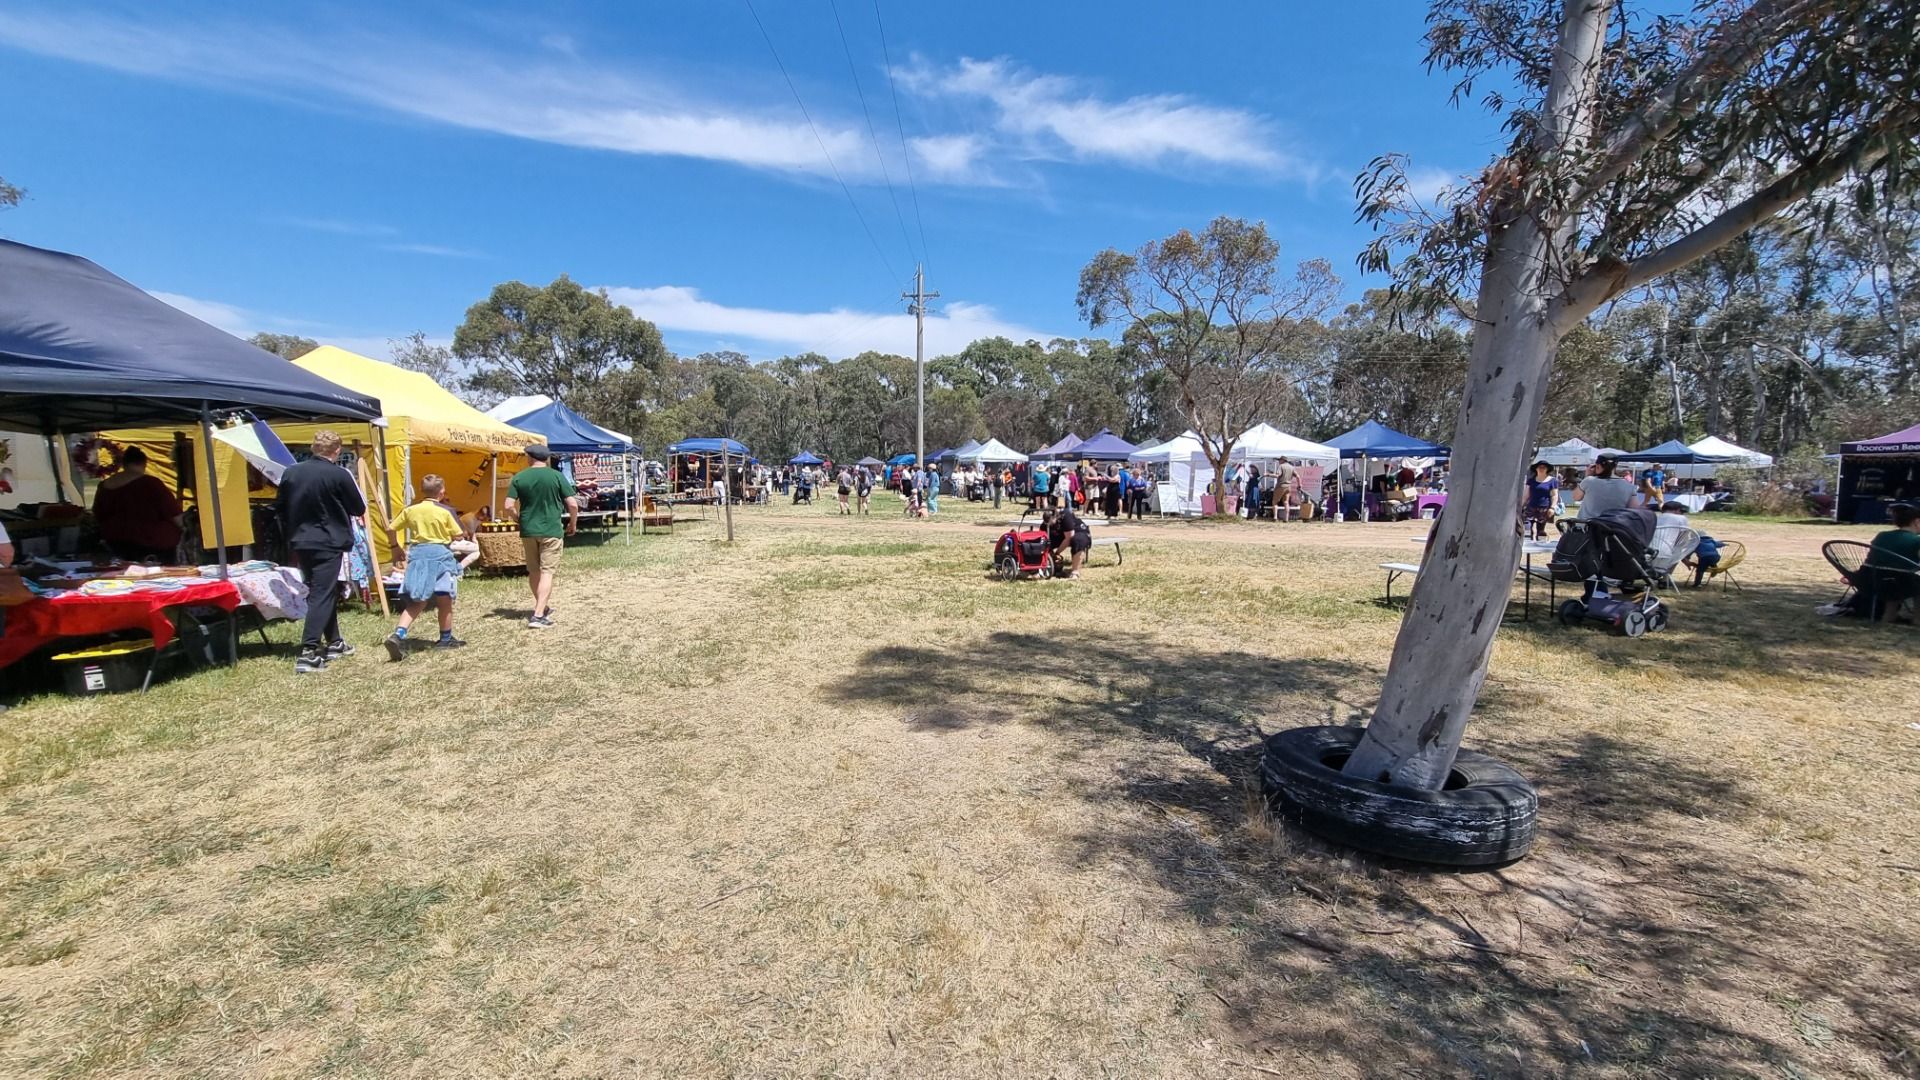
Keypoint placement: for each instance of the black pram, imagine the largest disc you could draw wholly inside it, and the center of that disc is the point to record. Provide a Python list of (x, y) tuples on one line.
[(1610, 550)]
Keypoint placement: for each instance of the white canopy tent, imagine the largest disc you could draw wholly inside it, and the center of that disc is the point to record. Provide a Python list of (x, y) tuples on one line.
[(993, 451), (1714, 446), (1572, 452), (1264, 442), (1185, 459)]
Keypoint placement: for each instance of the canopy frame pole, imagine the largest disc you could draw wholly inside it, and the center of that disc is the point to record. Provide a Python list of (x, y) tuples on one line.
[(626, 479), (726, 486), (209, 492), (55, 443)]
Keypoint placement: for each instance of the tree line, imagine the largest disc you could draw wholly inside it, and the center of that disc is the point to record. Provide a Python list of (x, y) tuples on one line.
[(1796, 336)]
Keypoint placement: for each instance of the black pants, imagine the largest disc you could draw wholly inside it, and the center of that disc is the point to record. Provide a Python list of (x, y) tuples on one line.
[(321, 571)]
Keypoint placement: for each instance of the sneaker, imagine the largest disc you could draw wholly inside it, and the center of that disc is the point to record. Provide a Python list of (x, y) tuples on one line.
[(338, 649), (396, 647), (539, 622), (1829, 610), (450, 643), (309, 662)]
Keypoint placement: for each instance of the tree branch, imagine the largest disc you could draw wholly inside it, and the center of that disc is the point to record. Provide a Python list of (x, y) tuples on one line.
[(1741, 42), (1610, 278)]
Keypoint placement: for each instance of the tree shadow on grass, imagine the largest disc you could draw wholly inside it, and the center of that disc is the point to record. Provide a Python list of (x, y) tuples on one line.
[(1645, 933)]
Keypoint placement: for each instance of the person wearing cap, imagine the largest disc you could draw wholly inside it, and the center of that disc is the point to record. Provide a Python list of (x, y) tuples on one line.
[(535, 499)]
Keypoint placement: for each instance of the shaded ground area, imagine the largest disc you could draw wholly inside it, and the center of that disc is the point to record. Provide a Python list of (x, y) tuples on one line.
[(830, 801)]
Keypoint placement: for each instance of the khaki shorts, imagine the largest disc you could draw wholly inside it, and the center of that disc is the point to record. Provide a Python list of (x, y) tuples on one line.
[(543, 553)]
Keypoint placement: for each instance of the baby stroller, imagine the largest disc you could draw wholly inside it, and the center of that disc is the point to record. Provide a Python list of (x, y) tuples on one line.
[(1611, 550), (1023, 552)]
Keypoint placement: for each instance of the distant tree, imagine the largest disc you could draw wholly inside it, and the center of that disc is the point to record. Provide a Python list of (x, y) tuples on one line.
[(415, 353), (286, 346), (1640, 145), (9, 194), (1217, 313), (560, 340)]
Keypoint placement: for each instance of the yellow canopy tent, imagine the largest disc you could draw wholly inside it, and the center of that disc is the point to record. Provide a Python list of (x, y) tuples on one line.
[(427, 430)]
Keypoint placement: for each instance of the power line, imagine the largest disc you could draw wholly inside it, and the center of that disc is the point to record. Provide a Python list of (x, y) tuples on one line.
[(906, 154), (828, 154), (872, 133)]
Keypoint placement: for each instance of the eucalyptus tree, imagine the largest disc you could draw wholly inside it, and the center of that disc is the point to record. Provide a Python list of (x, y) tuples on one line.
[(1218, 314), (1628, 130)]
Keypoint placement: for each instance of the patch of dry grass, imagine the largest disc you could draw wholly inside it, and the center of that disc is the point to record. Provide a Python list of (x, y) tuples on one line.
[(832, 801)]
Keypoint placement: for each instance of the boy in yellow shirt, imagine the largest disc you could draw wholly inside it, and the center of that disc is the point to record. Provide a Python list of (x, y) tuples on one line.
[(432, 569)]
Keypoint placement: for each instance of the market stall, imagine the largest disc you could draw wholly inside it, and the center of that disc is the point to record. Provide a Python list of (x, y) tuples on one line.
[(1180, 471), (1876, 473), (1365, 445), (593, 456), (82, 350), (695, 464)]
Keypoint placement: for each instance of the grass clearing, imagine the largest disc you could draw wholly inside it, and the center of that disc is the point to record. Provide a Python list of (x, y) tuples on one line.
[(833, 801)]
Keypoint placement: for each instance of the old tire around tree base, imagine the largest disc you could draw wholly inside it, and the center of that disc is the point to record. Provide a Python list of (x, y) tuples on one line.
[(1483, 817)]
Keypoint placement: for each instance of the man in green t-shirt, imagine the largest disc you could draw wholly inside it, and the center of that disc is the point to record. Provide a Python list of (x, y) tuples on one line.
[(1895, 555), (535, 498)]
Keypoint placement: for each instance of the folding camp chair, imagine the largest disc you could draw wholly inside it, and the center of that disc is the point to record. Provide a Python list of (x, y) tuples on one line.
[(1732, 554), (1679, 543)]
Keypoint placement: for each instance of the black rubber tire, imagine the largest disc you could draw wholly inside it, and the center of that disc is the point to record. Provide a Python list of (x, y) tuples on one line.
[(1572, 612), (1484, 817), (1006, 569)]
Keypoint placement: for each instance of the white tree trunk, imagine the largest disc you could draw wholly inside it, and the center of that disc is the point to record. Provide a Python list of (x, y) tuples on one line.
[(1440, 657)]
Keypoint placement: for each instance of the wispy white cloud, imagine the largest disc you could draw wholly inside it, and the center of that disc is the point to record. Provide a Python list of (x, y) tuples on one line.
[(569, 103), (1007, 114), (338, 227), (437, 250), (835, 333), (234, 320), (1428, 184), (1058, 116), (245, 322)]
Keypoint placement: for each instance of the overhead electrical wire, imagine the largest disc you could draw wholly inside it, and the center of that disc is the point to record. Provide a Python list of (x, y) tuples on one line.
[(872, 133), (906, 152), (892, 276)]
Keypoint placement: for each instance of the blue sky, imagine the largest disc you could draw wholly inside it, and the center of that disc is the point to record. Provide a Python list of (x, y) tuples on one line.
[(356, 171)]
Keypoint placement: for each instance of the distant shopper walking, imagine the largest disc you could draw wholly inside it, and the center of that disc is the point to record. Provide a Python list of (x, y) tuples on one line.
[(316, 504), (535, 499)]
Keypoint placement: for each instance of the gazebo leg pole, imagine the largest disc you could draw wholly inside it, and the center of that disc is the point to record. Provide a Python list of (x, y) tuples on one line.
[(210, 493)]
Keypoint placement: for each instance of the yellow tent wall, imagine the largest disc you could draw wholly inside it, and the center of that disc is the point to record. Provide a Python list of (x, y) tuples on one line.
[(160, 446)]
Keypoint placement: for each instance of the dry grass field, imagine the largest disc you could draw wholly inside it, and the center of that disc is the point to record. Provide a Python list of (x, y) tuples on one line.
[(831, 802)]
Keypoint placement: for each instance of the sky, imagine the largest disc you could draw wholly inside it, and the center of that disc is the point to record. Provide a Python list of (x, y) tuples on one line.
[(755, 175)]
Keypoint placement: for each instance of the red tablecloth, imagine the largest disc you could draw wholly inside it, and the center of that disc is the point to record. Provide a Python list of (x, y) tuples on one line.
[(41, 621)]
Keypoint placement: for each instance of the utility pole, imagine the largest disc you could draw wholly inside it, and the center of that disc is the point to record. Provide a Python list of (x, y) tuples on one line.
[(920, 296)]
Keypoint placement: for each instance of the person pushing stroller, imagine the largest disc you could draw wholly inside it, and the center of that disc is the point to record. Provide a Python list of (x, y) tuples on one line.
[(1067, 535)]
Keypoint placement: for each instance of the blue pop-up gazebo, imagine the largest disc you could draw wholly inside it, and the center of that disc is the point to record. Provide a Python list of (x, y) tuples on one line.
[(1673, 452), (902, 459), (806, 457), (567, 432), (1374, 439), (1105, 446)]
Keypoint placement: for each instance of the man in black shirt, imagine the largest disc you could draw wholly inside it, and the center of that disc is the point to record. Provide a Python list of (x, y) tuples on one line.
[(317, 503), (1066, 532)]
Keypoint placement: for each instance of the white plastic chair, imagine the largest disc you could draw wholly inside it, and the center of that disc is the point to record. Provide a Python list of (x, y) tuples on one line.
[(1672, 544)]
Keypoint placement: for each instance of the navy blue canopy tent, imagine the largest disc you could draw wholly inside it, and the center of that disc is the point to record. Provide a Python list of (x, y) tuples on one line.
[(709, 446), (1376, 440), (806, 457), (1673, 452), (83, 350), (1104, 446), (902, 459), (568, 432), (1058, 450)]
